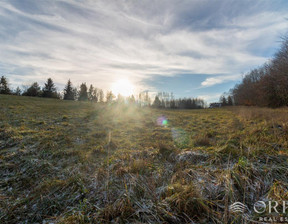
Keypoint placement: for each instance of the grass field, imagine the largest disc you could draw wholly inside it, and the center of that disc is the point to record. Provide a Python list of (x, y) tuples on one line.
[(79, 162)]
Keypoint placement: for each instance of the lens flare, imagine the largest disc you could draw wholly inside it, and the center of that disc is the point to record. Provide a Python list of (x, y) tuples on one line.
[(162, 121)]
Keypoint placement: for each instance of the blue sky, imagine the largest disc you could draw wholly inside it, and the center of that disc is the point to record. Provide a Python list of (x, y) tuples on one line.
[(195, 48)]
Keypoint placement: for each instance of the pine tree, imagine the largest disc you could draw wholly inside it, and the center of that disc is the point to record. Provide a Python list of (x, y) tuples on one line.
[(223, 101), (83, 95), (69, 92), (90, 93), (49, 89), (4, 88), (157, 102), (33, 90)]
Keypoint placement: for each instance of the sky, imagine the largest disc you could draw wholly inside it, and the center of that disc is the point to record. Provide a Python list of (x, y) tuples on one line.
[(195, 48)]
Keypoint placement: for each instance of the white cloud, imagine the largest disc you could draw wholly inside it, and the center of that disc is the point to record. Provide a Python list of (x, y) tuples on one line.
[(101, 41), (211, 81)]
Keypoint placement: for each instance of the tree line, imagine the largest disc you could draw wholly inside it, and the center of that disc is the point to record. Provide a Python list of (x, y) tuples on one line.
[(266, 85), (49, 90), (93, 94), (166, 100)]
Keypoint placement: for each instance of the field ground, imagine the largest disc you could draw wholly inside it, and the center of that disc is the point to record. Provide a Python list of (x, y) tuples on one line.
[(79, 162)]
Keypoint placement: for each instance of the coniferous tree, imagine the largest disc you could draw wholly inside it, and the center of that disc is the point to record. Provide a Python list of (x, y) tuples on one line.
[(33, 90), (157, 102), (69, 91), (90, 92), (4, 87), (83, 94), (49, 89), (223, 101)]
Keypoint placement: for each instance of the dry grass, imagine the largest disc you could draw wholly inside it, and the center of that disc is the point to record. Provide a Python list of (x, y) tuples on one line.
[(73, 162)]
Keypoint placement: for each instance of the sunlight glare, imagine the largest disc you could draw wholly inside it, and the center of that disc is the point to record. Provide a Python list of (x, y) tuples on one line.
[(123, 87)]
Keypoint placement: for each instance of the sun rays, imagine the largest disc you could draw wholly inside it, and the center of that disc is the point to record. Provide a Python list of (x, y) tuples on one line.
[(123, 87)]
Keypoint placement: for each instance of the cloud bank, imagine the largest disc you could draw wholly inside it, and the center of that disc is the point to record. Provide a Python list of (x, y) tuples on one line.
[(101, 41)]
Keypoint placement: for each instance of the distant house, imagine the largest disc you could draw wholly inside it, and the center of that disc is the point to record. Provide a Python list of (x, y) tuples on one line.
[(215, 105)]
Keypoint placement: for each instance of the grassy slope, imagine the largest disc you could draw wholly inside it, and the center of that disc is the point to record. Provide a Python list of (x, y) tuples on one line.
[(57, 162)]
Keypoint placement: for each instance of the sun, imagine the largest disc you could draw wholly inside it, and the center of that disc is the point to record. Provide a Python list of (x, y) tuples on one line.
[(123, 87)]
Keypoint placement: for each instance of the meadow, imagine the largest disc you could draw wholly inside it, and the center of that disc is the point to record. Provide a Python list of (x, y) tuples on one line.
[(81, 162)]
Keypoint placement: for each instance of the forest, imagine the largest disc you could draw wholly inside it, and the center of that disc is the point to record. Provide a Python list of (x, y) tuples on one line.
[(266, 86)]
